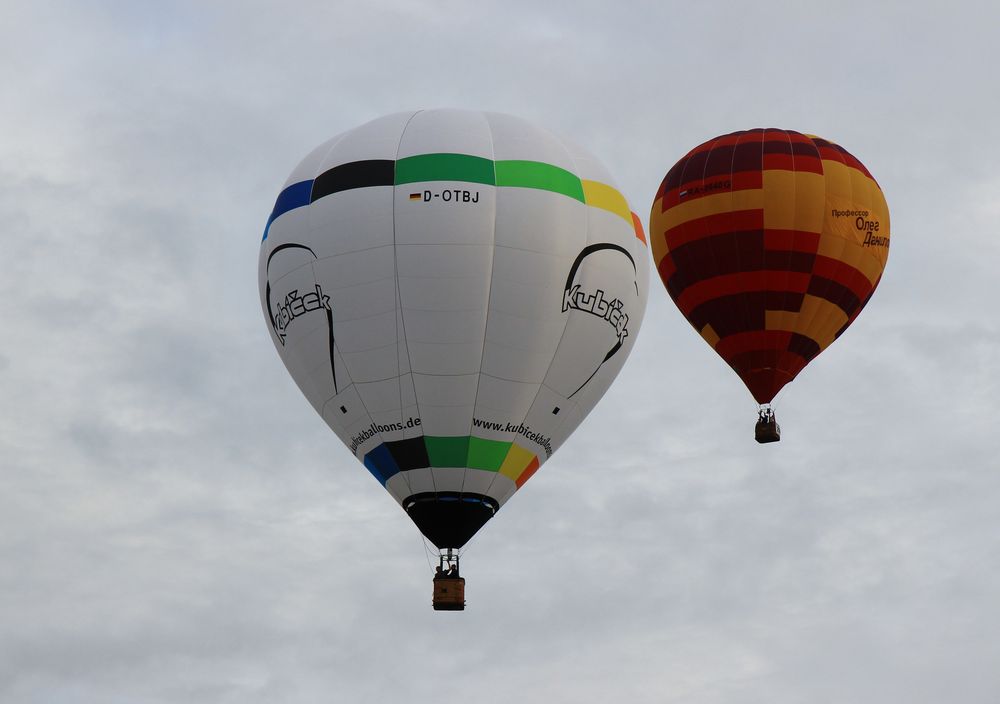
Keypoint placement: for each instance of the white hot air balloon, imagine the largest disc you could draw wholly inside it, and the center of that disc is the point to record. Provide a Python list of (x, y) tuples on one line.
[(453, 291)]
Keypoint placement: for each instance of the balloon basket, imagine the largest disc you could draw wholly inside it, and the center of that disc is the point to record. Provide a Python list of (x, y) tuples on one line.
[(767, 428), (449, 593), (449, 586)]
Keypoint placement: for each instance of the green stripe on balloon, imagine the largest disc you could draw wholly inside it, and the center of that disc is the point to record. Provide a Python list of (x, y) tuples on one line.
[(445, 167), (516, 173), (487, 454), (536, 174), (443, 451), (466, 451)]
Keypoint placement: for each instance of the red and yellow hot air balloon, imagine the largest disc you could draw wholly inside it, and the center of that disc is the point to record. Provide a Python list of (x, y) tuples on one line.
[(770, 242)]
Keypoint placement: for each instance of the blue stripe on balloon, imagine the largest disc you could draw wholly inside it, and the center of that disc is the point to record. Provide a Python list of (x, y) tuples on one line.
[(381, 464), (295, 196)]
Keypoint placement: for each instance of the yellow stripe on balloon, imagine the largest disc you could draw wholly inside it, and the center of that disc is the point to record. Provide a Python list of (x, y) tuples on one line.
[(793, 200), (748, 199), (517, 459), (605, 197), (780, 320), (818, 319), (657, 238)]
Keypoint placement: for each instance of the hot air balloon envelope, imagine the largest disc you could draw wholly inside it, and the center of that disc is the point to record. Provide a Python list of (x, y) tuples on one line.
[(770, 242), (453, 291)]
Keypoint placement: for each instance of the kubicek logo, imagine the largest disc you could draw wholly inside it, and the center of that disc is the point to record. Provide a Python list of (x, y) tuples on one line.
[(296, 305)]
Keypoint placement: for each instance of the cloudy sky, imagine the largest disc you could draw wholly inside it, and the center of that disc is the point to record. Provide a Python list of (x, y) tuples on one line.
[(178, 525)]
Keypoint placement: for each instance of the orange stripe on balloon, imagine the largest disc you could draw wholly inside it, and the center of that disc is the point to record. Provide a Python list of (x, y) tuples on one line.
[(743, 180), (832, 153), (791, 240), (781, 162), (667, 267), (743, 342), (697, 228), (810, 164), (843, 274), (637, 225), (528, 471), (742, 282)]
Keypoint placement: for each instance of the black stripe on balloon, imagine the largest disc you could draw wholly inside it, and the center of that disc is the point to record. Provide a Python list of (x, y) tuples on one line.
[(803, 346), (355, 174), (835, 293), (851, 318), (409, 454)]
